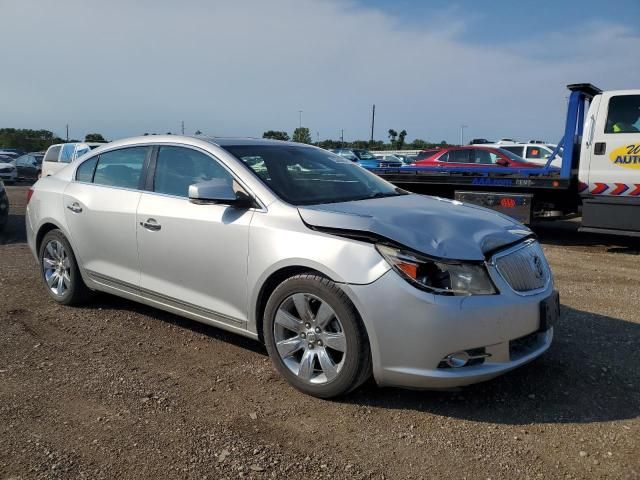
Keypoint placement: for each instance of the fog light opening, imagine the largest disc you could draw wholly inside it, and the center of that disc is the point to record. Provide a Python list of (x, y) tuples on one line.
[(457, 359)]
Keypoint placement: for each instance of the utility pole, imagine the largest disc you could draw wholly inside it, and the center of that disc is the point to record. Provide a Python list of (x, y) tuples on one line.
[(318, 138), (342, 137), (462, 127), (182, 126), (300, 117), (373, 120), (67, 132)]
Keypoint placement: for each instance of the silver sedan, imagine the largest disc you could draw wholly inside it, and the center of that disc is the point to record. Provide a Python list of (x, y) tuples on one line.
[(339, 273)]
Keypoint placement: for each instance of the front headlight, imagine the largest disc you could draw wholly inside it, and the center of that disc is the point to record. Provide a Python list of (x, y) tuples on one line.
[(439, 277)]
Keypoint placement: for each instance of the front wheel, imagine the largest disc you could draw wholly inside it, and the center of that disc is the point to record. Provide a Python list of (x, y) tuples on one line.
[(315, 337)]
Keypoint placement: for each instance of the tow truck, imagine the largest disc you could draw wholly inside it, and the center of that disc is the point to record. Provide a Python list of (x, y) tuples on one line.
[(599, 177)]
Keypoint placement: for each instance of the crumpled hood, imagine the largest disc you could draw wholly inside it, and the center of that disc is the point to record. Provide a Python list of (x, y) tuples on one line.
[(430, 225)]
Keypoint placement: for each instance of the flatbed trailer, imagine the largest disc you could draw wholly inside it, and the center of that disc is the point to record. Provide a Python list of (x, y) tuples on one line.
[(526, 193)]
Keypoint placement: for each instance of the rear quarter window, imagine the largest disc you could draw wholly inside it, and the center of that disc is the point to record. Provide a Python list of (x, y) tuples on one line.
[(85, 171)]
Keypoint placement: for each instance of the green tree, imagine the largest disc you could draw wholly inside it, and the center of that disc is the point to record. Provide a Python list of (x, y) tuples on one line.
[(418, 144), (94, 137), (392, 136), (401, 136), (27, 139), (276, 135), (198, 132), (301, 135)]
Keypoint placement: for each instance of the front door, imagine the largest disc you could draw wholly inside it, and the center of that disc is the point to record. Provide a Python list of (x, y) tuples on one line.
[(193, 257), (100, 208)]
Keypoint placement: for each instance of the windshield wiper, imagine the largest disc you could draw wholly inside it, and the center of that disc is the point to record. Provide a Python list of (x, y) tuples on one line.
[(386, 194)]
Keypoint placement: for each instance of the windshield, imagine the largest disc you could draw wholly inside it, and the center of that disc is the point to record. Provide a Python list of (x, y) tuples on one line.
[(364, 155), (307, 176), (553, 147)]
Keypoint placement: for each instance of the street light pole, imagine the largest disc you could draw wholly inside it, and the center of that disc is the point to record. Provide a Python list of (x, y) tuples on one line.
[(300, 117), (462, 127)]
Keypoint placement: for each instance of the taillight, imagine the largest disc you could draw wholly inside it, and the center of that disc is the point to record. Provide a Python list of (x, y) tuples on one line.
[(29, 194)]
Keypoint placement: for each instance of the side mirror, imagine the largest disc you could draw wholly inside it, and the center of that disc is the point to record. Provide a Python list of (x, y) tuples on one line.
[(218, 191), (502, 162)]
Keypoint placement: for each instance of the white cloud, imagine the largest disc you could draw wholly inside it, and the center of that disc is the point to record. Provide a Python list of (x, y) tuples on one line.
[(242, 67)]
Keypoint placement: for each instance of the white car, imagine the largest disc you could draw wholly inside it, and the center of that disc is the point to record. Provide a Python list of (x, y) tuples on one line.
[(534, 152), (8, 171), (60, 154)]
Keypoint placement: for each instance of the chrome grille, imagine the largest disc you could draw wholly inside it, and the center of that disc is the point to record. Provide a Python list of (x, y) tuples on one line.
[(524, 268)]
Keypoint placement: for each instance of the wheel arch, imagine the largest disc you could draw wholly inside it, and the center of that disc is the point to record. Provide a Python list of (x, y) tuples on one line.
[(270, 284)]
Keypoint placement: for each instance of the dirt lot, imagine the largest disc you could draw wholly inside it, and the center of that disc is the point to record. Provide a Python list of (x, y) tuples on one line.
[(119, 390)]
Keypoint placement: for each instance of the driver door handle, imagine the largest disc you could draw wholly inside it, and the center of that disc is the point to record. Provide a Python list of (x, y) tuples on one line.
[(151, 224), (75, 207)]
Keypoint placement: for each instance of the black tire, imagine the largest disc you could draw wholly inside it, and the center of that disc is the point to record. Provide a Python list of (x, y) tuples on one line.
[(77, 292), (356, 368)]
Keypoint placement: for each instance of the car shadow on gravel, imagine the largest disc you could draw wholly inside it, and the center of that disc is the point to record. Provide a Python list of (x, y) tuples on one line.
[(105, 301), (590, 374), (565, 233)]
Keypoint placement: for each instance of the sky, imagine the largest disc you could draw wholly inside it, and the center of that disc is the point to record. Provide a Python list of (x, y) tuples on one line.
[(242, 67)]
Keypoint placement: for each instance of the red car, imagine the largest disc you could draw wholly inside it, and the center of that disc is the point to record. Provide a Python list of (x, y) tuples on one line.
[(474, 156)]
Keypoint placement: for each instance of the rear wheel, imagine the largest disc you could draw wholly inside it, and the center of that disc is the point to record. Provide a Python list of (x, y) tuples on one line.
[(60, 271), (315, 337)]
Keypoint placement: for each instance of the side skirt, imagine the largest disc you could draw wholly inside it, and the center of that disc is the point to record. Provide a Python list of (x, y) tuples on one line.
[(169, 304)]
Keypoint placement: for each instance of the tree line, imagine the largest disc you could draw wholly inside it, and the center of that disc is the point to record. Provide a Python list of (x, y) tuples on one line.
[(37, 140), (396, 141)]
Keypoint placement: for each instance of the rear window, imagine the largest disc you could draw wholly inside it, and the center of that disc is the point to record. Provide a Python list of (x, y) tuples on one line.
[(52, 154)]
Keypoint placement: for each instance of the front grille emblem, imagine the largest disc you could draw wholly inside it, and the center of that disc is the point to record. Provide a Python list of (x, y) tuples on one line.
[(538, 269)]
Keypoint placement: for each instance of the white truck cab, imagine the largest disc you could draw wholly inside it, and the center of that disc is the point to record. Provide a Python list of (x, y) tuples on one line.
[(609, 168), (60, 154)]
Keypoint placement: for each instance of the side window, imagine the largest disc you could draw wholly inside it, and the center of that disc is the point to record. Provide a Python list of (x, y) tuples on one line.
[(479, 156), (537, 152), (443, 158), (84, 173), (459, 156), (120, 168), (517, 150), (67, 153), (52, 154), (179, 167), (623, 115)]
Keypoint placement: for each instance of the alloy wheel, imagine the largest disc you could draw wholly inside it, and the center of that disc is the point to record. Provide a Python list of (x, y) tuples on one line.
[(56, 267), (309, 338)]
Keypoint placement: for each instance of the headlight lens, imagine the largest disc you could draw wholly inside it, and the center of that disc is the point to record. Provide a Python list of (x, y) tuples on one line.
[(441, 278)]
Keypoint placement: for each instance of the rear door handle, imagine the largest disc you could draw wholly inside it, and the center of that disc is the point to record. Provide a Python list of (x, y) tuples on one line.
[(75, 207), (151, 224)]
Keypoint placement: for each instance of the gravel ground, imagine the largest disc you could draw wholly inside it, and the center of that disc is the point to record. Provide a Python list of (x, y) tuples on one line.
[(120, 390)]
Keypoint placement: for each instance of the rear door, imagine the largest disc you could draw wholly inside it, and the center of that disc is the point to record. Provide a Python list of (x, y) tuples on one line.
[(614, 167), (100, 207), (193, 257)]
